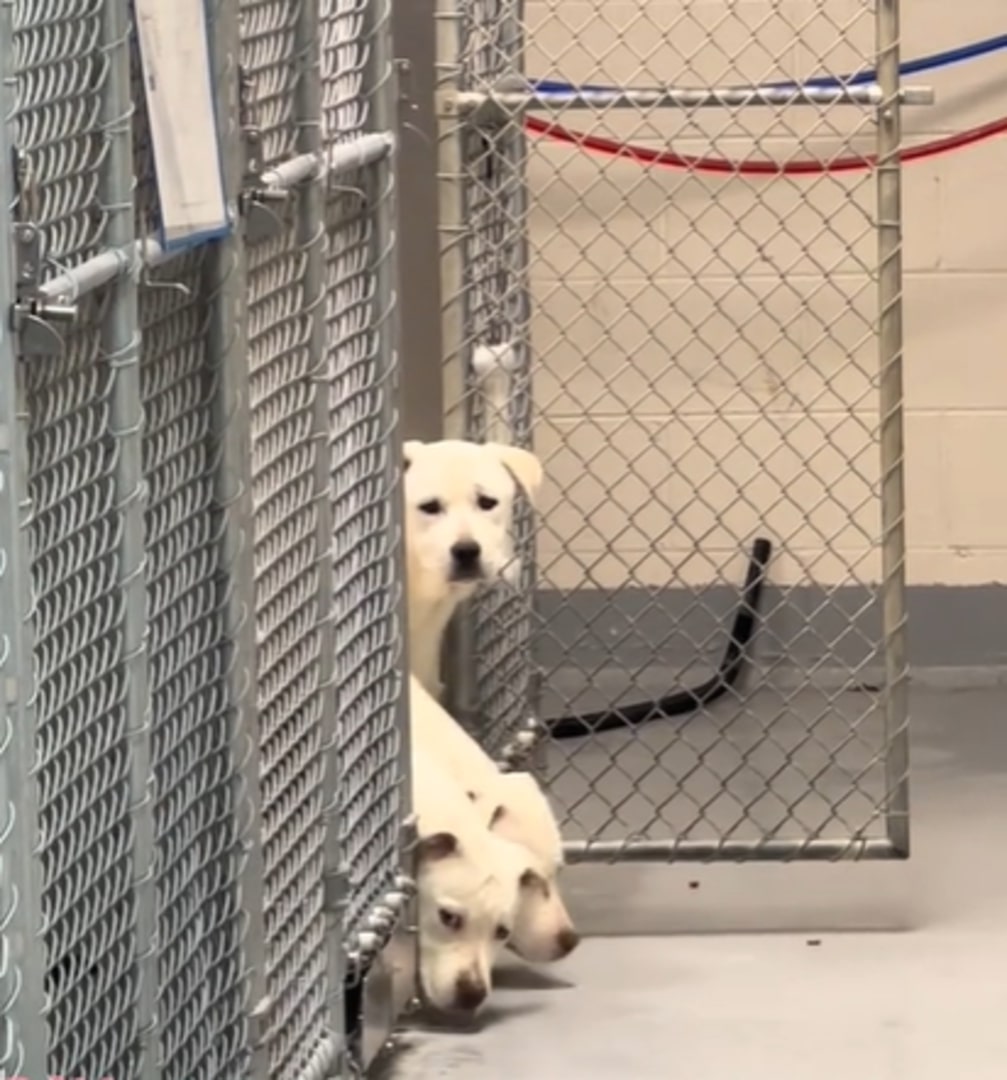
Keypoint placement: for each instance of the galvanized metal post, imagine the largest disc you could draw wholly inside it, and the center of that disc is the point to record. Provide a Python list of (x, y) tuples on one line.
[(120, 334), (893, 520), (227, 354), (311, 237), (384, 248), (22, 1034), (422, 362), (460, 690)]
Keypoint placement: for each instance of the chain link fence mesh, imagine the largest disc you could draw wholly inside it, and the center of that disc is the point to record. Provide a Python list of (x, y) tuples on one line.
[(82, 751), (689, 304), (135, 732), (295, 714), (201, 980), (325, 479), (363, 418)]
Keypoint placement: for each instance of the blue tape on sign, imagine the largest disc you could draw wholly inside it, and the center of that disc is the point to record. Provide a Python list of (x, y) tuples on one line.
[(179, 89)]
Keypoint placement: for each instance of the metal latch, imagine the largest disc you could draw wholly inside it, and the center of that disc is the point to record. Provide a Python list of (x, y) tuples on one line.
[(33, 314), (258, 204)]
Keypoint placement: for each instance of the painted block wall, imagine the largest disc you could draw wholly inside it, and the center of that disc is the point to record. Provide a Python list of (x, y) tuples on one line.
[(706, 362)]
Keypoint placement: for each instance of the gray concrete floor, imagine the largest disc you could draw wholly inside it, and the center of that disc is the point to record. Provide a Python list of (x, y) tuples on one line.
[(873, 972)]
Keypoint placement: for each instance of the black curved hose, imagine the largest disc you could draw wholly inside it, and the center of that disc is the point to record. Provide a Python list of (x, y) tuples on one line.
[(682, 702)]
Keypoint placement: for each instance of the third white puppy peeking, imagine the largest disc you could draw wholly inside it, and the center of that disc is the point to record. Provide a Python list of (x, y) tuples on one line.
[(459, 500)]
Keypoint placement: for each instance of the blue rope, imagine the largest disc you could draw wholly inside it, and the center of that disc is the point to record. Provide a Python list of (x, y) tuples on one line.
[(910, 67)]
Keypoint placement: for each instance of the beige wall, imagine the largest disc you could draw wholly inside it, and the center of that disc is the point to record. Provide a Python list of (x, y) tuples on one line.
[(704, 345)]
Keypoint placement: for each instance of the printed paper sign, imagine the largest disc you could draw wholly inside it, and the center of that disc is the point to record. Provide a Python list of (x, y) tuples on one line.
[(178, 86)]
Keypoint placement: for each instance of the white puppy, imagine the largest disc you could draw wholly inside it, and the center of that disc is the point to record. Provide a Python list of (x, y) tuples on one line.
[(440, 735), (468, 881), (459, 502), (514, 808)]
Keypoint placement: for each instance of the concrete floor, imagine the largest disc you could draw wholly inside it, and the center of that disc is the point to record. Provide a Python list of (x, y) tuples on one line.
[(874, 971)]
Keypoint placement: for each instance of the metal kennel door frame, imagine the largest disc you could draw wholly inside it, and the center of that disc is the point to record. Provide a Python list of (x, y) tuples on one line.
[(491, 398)]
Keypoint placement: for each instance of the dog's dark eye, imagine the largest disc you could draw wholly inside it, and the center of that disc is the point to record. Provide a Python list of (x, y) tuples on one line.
[(502, 933), (487, 502), (451, 919), (431, 507)]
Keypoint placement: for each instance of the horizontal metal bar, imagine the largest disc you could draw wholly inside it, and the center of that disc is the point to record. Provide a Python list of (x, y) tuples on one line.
[(106, 266), (346, 157), (102, 268), (686, 97), (336, 160), (288, 174), (642, 851)]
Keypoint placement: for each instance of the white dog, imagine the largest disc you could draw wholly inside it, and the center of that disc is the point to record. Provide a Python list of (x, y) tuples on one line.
[(514, 808), (469, 883), (459, 502)]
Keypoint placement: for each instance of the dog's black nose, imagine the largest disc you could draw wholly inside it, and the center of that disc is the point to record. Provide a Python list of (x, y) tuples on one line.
[(567, 940), (469, 994), (465, 554)]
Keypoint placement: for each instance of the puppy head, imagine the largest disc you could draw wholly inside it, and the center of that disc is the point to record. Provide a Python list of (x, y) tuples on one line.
[(543, 930), (459, 507), (468, 895)]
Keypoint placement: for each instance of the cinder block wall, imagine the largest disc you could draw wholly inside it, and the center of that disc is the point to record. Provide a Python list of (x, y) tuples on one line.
[(706, 362)]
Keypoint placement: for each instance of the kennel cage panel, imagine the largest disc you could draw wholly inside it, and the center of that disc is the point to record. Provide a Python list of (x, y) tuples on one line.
[(205, 766), (716, 355), (361, 335), (74, 437), (22, 969), (292, 545)]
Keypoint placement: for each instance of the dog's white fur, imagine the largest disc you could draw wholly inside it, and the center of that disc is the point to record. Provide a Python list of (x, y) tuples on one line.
[(439, 733), (459, 498), (514, 808), (469, 884)]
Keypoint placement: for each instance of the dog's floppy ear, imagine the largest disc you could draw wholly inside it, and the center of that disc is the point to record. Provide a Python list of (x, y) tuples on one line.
[(437, 846), (525, 466), (530, 879), (410, 448)]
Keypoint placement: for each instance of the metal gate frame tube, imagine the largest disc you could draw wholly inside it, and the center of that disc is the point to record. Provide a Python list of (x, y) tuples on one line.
[(226, 344), (22, 995), (705, 851), (893, 519), (727, 97), (120, 333), (311, 238)]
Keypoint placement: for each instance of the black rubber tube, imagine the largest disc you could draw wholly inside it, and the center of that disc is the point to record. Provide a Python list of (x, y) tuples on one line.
[(683, 702)]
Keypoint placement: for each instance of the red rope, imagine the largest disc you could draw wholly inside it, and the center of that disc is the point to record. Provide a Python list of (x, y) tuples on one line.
[(643, 155)]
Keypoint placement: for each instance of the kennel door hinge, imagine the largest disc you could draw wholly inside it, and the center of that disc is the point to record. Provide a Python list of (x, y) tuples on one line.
[(34, 317), (251, 131), (258, 1025), (258, 206), (336, 890)]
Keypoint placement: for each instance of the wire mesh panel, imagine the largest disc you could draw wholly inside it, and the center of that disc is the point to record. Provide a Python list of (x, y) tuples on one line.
[(359, 329), (199, 820), (291, 553), (670, 215), (84, 545)]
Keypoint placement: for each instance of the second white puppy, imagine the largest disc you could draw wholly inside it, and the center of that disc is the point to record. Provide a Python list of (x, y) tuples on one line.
[(514, 808), (459, 505), (469, 885)]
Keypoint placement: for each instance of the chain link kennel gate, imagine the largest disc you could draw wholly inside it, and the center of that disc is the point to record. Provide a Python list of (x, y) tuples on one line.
[(188, 440), (671, 253), (318, 94), (131, 840)]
